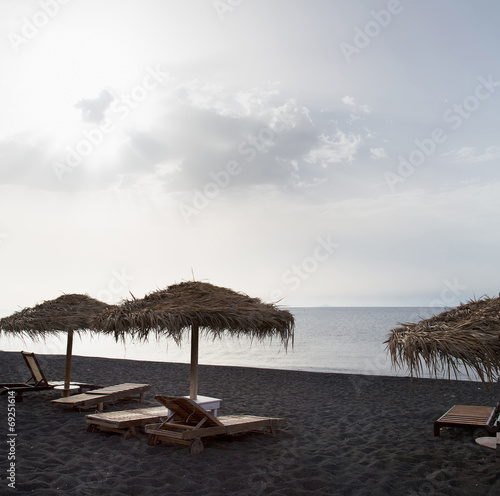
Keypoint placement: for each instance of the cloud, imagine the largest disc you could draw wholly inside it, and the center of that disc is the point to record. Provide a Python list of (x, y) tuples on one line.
[(470, 155), (357, 111), (93, 109), (186, 133), (378, 153), (339, 147), (349, 100)]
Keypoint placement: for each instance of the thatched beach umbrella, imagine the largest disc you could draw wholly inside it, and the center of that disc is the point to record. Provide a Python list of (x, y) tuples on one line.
[(67, 313), (467, 336), (196, 306)]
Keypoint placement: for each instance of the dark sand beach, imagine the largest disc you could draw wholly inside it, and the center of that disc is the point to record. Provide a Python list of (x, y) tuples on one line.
[(345, 435)]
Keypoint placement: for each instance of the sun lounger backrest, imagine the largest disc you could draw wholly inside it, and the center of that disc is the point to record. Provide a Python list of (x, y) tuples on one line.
[(187, 411), (496, 416), (34, 366)]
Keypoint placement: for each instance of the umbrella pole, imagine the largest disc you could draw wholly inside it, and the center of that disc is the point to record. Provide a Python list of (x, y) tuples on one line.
[(67, 372), (193, 387)]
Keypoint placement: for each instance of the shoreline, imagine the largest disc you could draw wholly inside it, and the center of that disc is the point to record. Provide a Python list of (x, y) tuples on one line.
[(346, 434), (320, 370), (330, 340)]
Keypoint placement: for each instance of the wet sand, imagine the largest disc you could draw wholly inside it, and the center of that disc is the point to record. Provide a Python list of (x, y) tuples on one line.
[(345, 435)]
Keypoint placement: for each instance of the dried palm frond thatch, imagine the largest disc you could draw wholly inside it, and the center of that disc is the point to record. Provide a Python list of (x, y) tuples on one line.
[(196, 306), (170, 312), (467, 336), (69, 312)]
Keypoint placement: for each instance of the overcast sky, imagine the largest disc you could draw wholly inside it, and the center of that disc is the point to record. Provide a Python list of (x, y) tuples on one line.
[(315, 152)]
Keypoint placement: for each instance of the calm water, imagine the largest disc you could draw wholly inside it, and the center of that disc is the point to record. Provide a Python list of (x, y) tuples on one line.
[(347, 340)]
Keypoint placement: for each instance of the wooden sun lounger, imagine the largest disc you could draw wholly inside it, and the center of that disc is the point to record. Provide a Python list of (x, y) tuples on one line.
[(97, 397), (483, 417), (37, 381), (125, 421), (189, 422)]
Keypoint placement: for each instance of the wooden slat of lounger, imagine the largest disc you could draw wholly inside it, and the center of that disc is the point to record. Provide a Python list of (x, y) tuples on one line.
[(120, 388), (465, 415), (465, 420), (83, 400), (121, 391), (61, 383), (469, 408), (102, 395), (179, 431), (187, 409), (231, 424), (484, 416), (165, 434), (235, 424), (245, 419), (126, 418), (478, 418)]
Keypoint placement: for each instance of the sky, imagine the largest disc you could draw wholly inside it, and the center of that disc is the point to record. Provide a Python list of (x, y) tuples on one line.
[(306, 152)]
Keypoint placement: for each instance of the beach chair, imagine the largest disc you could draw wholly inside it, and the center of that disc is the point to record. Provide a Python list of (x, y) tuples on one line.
[(98, 397), (37, 381), (189, 422), (125, 422), (483, 419)]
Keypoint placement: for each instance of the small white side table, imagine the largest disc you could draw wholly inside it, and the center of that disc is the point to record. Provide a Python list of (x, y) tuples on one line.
[(209, 404), (73, 388)]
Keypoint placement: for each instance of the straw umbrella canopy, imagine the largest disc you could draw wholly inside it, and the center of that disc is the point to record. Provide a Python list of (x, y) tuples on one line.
[(68, 313), (467, 336), (194, 306)]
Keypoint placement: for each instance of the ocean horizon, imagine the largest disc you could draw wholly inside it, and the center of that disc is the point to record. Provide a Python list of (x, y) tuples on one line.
[(327, 339)]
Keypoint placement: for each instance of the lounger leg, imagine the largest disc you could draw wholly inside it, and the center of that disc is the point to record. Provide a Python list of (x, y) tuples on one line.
[(152, 440), (436, 429), (130, 432), (196, 447)]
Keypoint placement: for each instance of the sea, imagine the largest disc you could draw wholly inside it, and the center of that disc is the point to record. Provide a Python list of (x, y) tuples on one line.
[(327, 339)]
